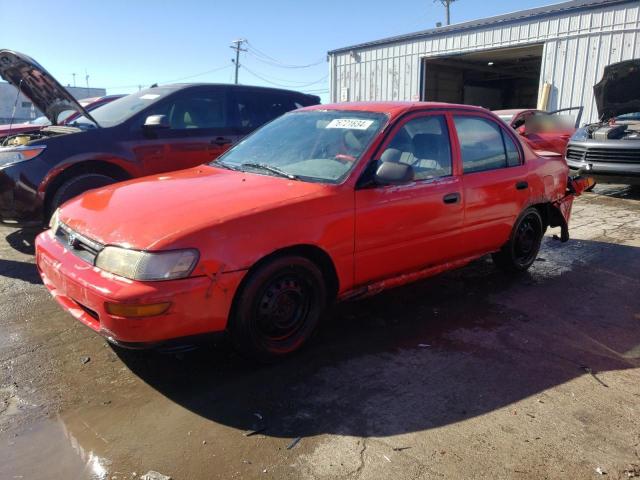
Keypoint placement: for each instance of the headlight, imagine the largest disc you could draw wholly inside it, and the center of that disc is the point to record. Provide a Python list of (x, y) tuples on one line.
[(13, 155), (147, 266), (580, 135), (54, 221)]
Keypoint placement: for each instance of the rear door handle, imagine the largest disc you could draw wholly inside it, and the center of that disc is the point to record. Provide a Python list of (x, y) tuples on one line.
[(451, 198), (221, 141), (522, 185)]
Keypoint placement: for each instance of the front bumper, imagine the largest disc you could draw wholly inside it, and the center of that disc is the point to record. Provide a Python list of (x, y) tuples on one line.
[(612, 161), (199, 305)]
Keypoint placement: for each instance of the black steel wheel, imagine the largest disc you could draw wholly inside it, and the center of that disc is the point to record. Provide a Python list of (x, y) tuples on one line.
[(278, 307), (519, 253)]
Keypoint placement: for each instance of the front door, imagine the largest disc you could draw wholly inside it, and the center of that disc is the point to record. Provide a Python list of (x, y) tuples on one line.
[(407, 227), (199, 131)]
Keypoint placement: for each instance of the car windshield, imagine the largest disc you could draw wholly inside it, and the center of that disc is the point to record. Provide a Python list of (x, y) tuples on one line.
[(317, 145), (123, 108)]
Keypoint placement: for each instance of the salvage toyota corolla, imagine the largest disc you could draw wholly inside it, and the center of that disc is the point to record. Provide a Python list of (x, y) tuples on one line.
[(325, 203)]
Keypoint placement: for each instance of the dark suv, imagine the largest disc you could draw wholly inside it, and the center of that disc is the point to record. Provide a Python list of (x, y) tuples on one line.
[(156, 130)]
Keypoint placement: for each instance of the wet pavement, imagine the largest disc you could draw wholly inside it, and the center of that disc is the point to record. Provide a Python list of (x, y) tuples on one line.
[(471, 374)]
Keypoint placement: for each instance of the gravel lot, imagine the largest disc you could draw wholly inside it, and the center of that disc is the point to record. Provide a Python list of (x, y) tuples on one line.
[(472, 374)]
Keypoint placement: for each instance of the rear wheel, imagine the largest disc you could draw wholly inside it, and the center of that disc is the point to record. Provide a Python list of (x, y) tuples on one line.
[(278, 308), (77, 185), (519, 253)]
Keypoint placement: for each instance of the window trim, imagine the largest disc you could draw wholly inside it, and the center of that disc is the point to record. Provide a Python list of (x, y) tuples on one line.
[(503, 129)]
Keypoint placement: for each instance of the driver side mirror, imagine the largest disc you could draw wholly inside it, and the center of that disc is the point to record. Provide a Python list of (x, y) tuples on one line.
[(393, 173), (154, 122)]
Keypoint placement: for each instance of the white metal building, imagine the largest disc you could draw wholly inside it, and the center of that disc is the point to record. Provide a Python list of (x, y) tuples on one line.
[(497, 62), (24, 108)]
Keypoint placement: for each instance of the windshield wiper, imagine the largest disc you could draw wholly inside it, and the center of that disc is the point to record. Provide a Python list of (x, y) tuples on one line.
[(270, 168), (217, 163)]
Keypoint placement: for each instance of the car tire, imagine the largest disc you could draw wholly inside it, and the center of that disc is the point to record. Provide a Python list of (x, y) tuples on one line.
[(77, 185), (278, 308), (519, 253)]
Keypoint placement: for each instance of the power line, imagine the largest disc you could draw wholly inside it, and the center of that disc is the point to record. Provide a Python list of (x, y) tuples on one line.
[(257, 75), (268, 59), (175, 79)]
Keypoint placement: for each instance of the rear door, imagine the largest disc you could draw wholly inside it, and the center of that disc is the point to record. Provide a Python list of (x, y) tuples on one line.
[(403, 228), (494, 178), (199, 132)]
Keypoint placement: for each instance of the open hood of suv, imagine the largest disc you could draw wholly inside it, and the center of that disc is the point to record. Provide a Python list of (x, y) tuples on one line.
[(38, 85), (617, 93)]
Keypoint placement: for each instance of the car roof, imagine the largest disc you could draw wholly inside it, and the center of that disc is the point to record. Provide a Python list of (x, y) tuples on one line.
[(183, 86), (394, 108)]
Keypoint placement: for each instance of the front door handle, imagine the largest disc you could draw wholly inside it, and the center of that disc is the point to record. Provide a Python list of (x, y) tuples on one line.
[(221, 141), (522, 185), (451, 198)]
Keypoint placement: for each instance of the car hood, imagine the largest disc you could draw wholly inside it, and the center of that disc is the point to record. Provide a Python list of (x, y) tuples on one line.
[(38, 85), (151, 213), (617, 92)]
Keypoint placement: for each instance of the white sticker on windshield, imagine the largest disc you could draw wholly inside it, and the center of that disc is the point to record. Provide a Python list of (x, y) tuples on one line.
[(350, 123), (149, 96)]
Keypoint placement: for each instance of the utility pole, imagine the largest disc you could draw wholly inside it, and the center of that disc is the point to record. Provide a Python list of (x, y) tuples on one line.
[(74, 79), (237, 46), (86, 77), (446, 4)]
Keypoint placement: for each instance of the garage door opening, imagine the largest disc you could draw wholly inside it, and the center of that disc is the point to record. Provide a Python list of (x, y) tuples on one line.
[(494, 79)]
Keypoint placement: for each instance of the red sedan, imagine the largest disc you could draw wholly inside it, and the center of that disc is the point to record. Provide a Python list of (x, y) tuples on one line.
[(327, 202)]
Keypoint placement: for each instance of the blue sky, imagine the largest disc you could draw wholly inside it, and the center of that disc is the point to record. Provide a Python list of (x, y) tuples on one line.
[(122, 44)]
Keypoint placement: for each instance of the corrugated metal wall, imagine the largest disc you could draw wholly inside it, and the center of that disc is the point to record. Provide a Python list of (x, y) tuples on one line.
[(577, 46)]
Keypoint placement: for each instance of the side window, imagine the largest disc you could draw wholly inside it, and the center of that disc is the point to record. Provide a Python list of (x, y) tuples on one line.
[(198, 109), (248, 111), (513, 155), (483, 144), (424, 144), (276, 105), (254, 108)]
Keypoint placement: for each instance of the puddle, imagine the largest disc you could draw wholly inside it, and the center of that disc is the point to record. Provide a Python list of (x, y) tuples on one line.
[(49, 450)]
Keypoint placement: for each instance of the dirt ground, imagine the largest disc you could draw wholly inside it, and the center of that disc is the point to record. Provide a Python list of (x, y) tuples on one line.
[(471, 374)]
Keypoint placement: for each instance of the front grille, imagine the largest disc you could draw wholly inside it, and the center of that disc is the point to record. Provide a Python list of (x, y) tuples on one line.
[(78, 244), (600, 154)]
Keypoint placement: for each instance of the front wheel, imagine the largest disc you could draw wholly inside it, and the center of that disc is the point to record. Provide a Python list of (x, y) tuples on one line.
[(77, 185), (278, 308), (519, 253)]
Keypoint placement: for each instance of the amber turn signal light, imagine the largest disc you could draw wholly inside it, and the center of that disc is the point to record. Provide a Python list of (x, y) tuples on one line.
[(134, 310)]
